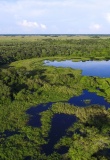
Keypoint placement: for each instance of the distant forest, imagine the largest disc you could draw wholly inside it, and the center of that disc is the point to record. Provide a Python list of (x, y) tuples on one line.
[(13, 50)]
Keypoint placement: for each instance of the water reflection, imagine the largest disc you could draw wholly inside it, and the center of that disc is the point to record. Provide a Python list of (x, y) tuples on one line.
[(89, 68)]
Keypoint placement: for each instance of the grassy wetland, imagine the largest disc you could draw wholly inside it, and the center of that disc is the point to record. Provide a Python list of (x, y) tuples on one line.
[(34, 97)]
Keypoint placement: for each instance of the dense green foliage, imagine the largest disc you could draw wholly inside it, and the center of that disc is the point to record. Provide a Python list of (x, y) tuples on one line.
[(17, 49), (27, 83)]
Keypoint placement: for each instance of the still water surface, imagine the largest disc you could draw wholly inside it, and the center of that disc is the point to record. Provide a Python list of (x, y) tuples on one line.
[(89, 68), (61, 122), (83, 100), (88, 98)]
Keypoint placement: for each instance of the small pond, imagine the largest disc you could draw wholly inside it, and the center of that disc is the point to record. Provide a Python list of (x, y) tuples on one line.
[(89, 68), (88, 98)]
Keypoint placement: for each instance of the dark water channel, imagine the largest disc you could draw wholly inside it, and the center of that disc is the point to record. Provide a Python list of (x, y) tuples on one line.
[(89, 68), (61, 122), (83, 100), (8, 133), (34, 114)]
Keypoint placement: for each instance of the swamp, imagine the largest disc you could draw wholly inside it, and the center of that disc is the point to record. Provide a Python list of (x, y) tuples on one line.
[(54, 97)]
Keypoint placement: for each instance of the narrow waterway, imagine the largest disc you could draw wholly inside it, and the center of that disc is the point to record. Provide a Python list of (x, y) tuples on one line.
[(60, 123)]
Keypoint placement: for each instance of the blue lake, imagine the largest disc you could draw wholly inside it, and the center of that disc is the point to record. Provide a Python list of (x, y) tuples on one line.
[(89, 68)]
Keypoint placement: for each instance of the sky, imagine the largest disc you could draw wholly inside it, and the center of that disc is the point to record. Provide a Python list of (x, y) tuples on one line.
[(54, 16)]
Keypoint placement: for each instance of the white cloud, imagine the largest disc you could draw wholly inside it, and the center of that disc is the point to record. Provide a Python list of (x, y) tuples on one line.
[(108, 17), (95, 27), (43, 26), (30, 24), (35, 15), (26, 23)]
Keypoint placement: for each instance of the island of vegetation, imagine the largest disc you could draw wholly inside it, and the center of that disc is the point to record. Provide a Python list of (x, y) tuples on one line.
[(34, 98)]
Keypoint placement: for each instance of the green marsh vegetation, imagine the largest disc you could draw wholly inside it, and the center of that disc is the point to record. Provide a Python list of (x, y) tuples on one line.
[(25, 81)]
